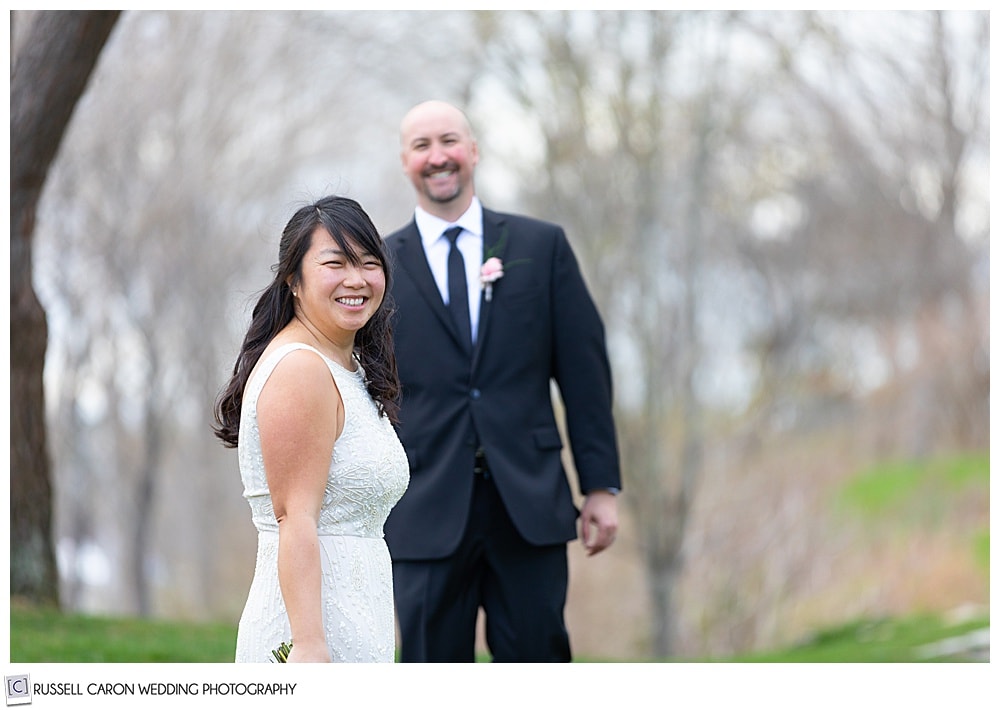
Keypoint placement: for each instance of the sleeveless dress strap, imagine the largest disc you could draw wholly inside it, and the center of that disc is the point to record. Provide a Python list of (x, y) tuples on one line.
[(266, 367)]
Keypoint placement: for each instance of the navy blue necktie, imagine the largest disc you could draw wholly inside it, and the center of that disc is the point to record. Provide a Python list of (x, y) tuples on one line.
[(458, 288)]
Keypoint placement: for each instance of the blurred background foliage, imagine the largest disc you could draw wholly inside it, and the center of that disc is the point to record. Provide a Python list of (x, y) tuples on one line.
[(783, 216)]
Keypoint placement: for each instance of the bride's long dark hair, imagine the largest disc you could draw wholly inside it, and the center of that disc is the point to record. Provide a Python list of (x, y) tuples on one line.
[(352, 229)]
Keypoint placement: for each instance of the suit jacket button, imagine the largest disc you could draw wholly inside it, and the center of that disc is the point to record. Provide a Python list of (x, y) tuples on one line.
[(474, 394)]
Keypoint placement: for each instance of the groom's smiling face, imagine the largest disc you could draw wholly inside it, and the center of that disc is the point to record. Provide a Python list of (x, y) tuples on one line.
[(439, 156)]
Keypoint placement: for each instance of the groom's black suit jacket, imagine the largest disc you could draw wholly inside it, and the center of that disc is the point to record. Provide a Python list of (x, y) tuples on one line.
[(541, 325)]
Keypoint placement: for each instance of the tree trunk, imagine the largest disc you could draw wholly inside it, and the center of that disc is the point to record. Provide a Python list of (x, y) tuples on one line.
[(663, 573), (49, 75)]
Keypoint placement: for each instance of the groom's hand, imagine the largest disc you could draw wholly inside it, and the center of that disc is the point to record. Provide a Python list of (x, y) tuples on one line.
[(598, 521)]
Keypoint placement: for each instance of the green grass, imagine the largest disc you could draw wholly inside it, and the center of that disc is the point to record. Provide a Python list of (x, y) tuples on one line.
[(904, 487), (924, 494), (874, 641), (49, 636)]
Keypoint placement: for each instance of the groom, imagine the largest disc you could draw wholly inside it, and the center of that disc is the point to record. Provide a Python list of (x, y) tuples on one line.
[(489, 511)]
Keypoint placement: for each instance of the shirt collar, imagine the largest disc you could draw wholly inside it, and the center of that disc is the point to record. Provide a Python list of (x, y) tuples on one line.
[(431, 227)]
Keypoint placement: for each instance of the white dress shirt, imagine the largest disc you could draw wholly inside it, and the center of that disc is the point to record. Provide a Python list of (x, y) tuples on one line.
[(470, 243)]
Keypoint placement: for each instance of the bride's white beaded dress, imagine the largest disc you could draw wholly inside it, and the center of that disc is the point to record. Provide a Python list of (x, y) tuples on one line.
[(368, 475)]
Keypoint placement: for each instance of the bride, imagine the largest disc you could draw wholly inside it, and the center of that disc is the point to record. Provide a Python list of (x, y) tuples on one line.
[(311, 406)]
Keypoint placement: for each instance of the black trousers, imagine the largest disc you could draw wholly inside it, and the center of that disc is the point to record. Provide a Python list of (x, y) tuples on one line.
[(521, 588)]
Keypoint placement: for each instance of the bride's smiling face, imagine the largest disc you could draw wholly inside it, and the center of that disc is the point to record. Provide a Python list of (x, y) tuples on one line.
[(335, 294)]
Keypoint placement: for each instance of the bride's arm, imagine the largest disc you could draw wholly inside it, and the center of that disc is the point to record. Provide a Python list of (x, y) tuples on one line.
[(300, 414)]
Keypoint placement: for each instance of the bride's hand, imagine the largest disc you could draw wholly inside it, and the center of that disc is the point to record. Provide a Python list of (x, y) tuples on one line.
[(309, 652)]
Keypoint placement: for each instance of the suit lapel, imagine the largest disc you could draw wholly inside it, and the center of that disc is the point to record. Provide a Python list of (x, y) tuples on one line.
[(494, 244), (414, 261)]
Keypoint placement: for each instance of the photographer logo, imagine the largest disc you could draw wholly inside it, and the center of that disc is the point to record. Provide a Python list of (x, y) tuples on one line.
[(18, 689)]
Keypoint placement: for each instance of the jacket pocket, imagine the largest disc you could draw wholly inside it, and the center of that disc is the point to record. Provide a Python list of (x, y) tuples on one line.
[(548, 438)]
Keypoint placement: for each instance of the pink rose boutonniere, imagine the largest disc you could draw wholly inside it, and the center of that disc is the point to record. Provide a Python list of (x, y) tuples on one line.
[(491, 270)]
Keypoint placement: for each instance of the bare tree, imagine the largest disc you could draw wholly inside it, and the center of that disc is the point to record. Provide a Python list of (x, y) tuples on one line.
[(50, 73), (880, 211), (831, 203), (627, 164), (164, 210), (177, 171), (684, 170)]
